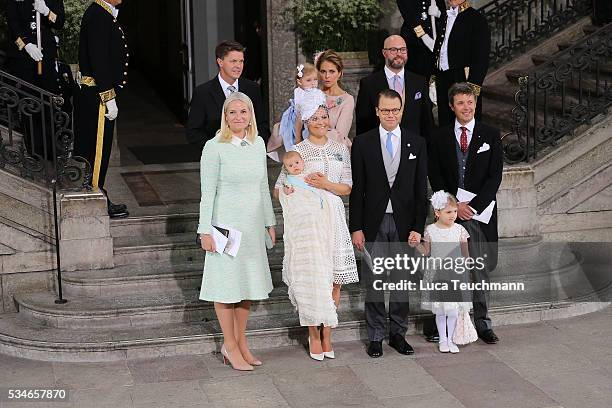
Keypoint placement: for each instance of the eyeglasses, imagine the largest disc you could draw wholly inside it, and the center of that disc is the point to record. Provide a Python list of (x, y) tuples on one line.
[(386, 112), (395, 50)]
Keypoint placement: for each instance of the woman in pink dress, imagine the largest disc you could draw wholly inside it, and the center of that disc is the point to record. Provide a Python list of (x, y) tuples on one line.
[(341, 104)]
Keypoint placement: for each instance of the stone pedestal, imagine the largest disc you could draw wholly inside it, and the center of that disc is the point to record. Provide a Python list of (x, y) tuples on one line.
[(85, 239), (517, 203)]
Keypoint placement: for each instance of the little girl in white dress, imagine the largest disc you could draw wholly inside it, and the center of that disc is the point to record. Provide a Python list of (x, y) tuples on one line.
[(446, 243)]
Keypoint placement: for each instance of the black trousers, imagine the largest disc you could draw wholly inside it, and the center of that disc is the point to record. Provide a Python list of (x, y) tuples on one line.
[(386, 245), (444, 80), (86, 110), (480, 246)]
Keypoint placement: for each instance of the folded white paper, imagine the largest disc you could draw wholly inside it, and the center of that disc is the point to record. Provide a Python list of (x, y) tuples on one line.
[(229, 244), (485, 215), (464, 196)]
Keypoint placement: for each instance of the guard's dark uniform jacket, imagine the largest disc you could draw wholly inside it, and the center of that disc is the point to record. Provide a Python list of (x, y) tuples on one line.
[(21, 18), (414, 13), (103, 61), (65, 86), (469, 43)]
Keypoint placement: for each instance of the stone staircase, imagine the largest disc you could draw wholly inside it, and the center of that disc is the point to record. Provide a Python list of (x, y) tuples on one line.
[(501, 85), (148, 304)]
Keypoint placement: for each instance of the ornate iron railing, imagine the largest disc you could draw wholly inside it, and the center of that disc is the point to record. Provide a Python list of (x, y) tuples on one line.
[(37, 138), (517, 25), (37, 143), (561, 95)]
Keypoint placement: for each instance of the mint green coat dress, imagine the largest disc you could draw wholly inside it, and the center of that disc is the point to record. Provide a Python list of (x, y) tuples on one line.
[(234, 181)]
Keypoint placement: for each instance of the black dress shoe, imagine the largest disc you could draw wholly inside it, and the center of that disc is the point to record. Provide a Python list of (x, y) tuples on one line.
[(116, 207), (375, 349), (434, 338), (488, 336), (117, 211), (399, 343)]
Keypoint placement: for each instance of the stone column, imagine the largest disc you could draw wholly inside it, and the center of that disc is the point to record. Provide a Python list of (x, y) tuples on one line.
[(85, 239), (282, 58), (517, 203)]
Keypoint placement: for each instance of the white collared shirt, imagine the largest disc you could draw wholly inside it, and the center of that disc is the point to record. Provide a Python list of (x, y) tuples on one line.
[(395, 139), (390, 74), (450, 21), (225, 85), (236, 141), (113, 9), (470, 130)]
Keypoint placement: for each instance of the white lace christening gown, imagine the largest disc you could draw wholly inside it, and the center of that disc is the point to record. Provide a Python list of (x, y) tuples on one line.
[(332, 159)]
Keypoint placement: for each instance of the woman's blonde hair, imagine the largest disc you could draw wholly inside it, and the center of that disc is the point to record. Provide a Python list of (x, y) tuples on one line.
[(225, 131)]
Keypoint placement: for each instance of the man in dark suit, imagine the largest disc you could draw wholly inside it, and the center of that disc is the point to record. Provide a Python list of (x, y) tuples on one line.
[(461, 53), (417, 15), (413, 88), (207, 102), (388, 207), (468, 155), (103, 61)]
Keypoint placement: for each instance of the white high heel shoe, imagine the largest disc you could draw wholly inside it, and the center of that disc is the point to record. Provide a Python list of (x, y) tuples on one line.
[(329, 354), (318, 357)]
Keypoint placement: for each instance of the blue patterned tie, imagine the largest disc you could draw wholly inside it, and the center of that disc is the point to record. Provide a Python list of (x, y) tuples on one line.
[(389, 144)]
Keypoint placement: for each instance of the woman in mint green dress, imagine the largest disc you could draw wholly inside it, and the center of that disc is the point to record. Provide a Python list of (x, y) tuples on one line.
[(235, 194)]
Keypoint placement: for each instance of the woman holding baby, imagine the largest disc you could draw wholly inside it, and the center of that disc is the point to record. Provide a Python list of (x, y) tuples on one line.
[(319, 254)]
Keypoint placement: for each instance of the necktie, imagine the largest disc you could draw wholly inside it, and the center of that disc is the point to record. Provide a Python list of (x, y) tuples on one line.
[(397, 84), (463, 143), (231, 89), (389, 144)]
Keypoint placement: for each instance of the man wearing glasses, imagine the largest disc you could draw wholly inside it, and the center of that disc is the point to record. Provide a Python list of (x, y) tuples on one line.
[(413, 89), (387, 209)]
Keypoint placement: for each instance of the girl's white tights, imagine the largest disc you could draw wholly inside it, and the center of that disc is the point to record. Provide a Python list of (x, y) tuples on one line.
[(446, 326)]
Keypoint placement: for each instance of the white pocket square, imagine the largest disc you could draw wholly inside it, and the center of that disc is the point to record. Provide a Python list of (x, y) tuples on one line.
[(484, 148), (411, 157), (417, 96)]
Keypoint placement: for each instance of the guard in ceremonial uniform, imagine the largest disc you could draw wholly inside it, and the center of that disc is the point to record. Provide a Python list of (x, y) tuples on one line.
[(23, 58), (461, 53), (33, 63), (103, 61), (418, 15)]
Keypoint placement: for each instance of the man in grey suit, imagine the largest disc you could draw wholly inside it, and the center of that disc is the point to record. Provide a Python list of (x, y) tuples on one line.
[(388, 207)]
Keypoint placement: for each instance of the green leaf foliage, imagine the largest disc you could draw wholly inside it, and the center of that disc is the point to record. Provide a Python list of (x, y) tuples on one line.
[(342, 25)]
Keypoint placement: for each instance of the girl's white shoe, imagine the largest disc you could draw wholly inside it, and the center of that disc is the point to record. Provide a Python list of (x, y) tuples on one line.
[(443, 347), (452, 347)]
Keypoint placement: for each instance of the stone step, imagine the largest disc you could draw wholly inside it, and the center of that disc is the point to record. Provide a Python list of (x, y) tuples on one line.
[(497, 114), (165, 224), (520, 260), (140, 279), (171, 249), (150, 309), (31, 340), (590, 29), (605, 70)]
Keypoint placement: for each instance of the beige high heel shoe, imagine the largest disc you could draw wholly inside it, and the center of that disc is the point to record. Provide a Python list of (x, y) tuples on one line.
[(227, 360)]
